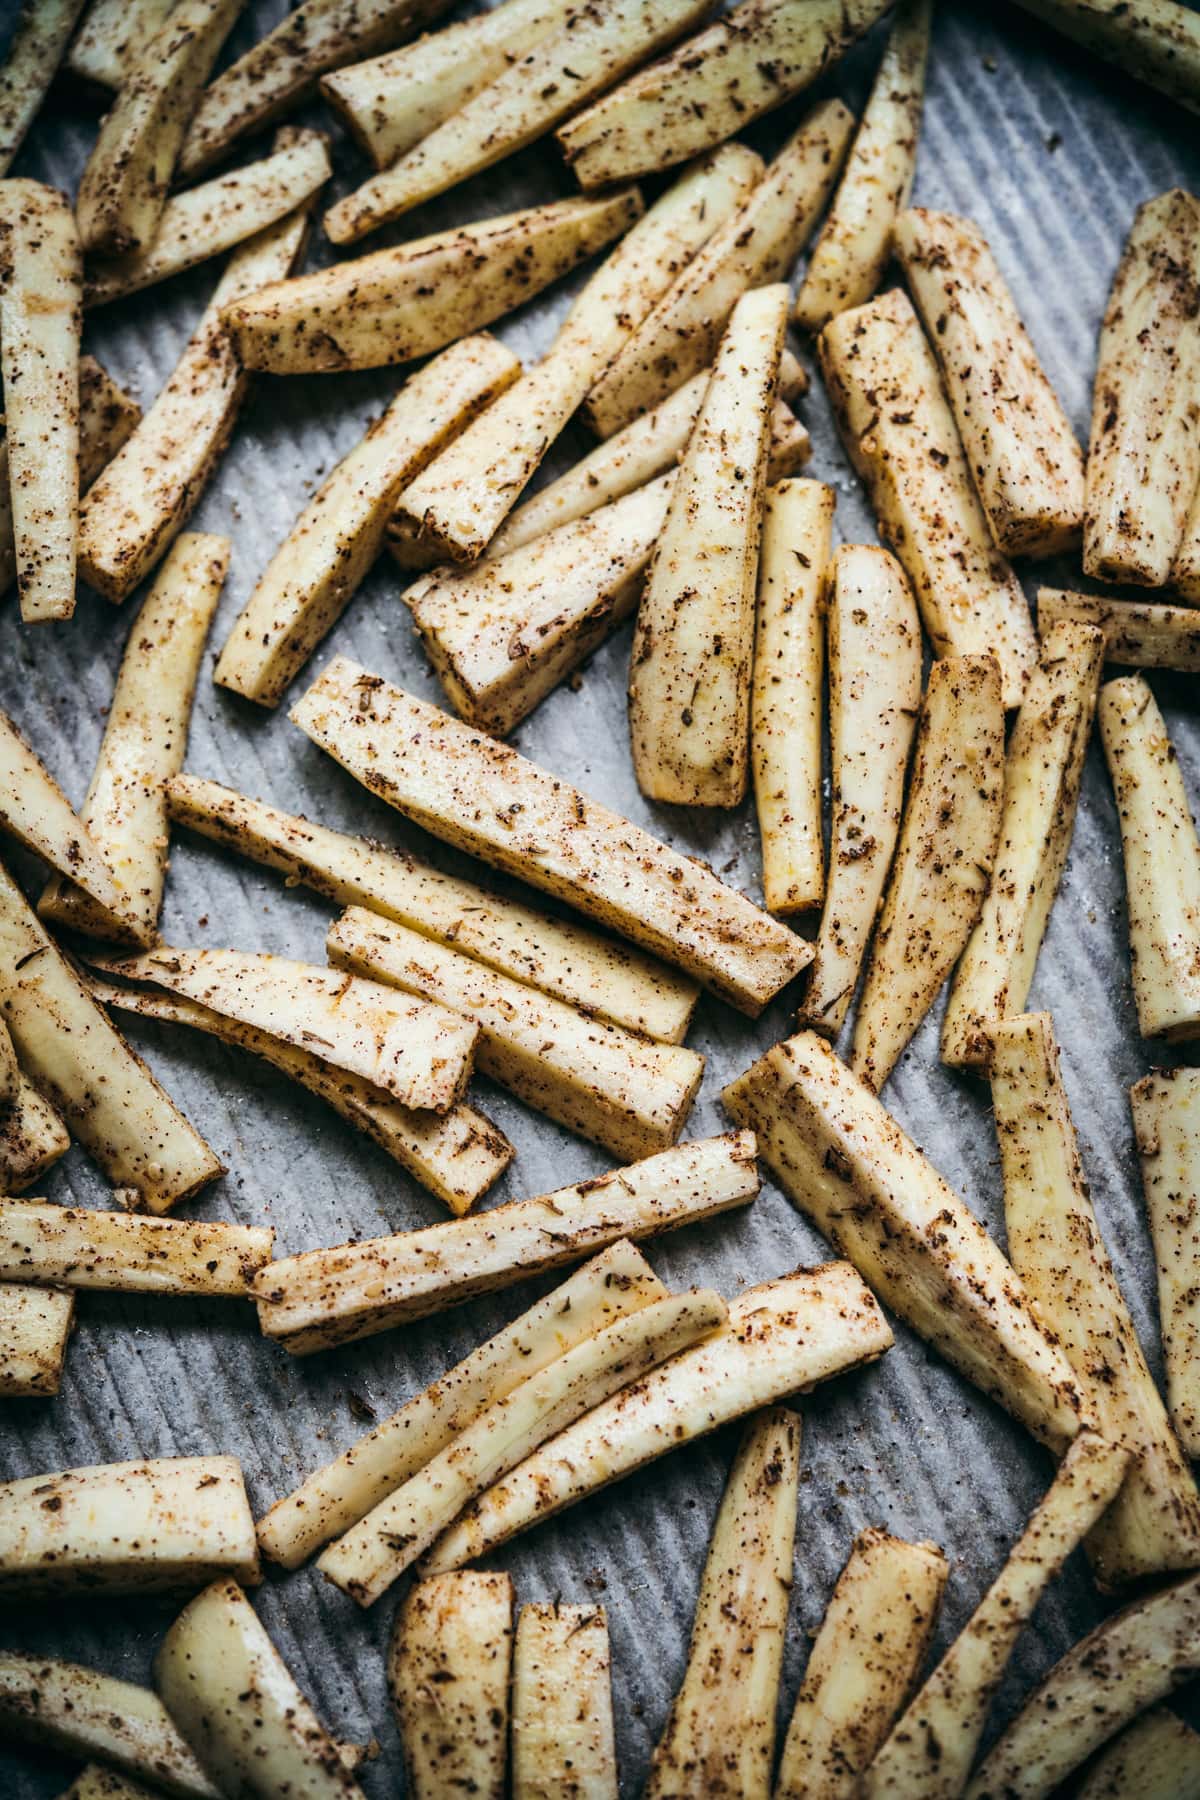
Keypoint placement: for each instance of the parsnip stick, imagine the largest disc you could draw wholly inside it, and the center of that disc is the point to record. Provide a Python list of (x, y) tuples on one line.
[(320, 565), (35, 1324), (448, 1674), (1138, 634), (596, 974), (10, 1071), (1158, 41), (95, 1783), (1155, 1758), (850, 1168), (943, 865), (874, 643), (1042, 771), (32, 1139), (34, 53), (1185, 570), (782, 1338), (1166, 1123), (125, 1528), (35, 811), (719, 1739), (466, 790), (851, 254), (563, 1740), (863, 1665), (112, 39), (713, 85), (326, 1297), (1162, 860), (64, 1247), (900, 435)]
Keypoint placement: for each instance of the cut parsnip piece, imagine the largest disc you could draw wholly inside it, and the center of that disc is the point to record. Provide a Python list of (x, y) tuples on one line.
[(782, 1338), (563, 1738), (32, 1139), (35, 1324), (1166, 1123), (1185, 570), (863, 1665), (849, 1167), (1155, 1758), (35, 811), (595, 974), (943, 864), (1018, 441), (63, 1246), (874, 642), (34, 53), (485, 798), (95, 1783), (1143, 462), (448, 1674), (1158, 41), (110, 42), (125, 1528), (326, 1297), (10, 1071), (852, 252), (1162, 860), (713, 85), (719, 1739), (1136, 633), (689, 683), (900, 435), (144, 744), (399, 304), (319, 567), (1042, 772)]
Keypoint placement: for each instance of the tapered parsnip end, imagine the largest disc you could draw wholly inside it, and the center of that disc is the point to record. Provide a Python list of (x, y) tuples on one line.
[(563, 1740), (448, 1674), (71, 1248), (35, 1324), (1166, 1122), (32, 1139), (1140, 635), (108, 418), (35, 811), (1155, 1758), (34, 52)]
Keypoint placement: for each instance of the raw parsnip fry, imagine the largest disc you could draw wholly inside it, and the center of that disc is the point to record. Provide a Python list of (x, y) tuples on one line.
[(849, 1167), (66, 1247), (35, 1324), (563, 1739), (874, 643), (1155, 1758), (714, 84), (35, 811), (32, 1139), (1166, 1123), (943, 864), (863, 1665), (112, 38), (851, 254), (326, 1297), (1162, 860), (782, 1338), (1018, 441), (596, 974), (1158, 41), (34, 53), (1136, 633), (319, 567), (448, 1675), (1143, 461), (719, 1739), (1042, 771), (900, 435), (485, 798)]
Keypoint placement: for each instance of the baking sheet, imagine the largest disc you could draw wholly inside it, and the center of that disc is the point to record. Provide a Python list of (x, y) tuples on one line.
[(1050, 151)]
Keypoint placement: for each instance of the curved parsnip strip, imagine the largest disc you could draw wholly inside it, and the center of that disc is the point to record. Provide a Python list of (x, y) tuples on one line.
[(1166, 1123), (35, 811), (1140, 635), (448, 1674), (34, 53), (1158, 41), (849, 1167), (563, 1740), (901, 437), (32, 1138), (943, 864), (1162, 860), (1155, 1758), (1042, 772), (863, 1665), (874, 643), (72, 1248), (35, 1324), (485, 798)]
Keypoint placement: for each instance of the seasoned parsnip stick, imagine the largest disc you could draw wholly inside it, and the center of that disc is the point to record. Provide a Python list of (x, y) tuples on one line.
[(782, 1338), (874, 643), (32, 1138), (1144, 455), (467, 790), (320, 565), (900, 435), (35, 811), (851, 254), (325, 1297), (448, 1674), (10, 1071), (1042, 771), (1185, 570), (111, 39), (1158, 41), (1166, 1123), (1155, 1758), (850, 1168), (66, 1247), (1136, 633), (864, 1662), (1162, 860), (34, 53), (35, 1324), (563, 1740), (95, 1783), (943, 864), (719, 1739), (602, 977)]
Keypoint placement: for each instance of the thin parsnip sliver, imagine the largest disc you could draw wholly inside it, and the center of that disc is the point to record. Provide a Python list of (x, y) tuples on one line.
[(449, 1678), (1166, 1123), (1137, 633), (70, 1247), (35, 1324), (1158, 41), (35, 811), (563, 1737), (34, 53), (32, 1139)]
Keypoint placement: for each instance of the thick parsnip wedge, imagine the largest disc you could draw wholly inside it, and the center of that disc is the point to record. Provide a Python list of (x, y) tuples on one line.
[(319, 567), (110, 42), (483, 797), (849, 1167), (35, 1324), (900, 435), (563, 1738), (719, 1739), (852, 252), (1136, 633), (32, 1139), (943, 864), (449, 1678), (1042, 772), (1155, 1758), (126, 1528), (1166, 1123), (782, 1338), (326, 1297), (1162, 860), (874, 643), (144, 744), (1018, 441), (34, 53), (64, 1246), (863, 1665), (750, 61), (1057, 1248), (35, 811), (1143, 461), (1158, 41)]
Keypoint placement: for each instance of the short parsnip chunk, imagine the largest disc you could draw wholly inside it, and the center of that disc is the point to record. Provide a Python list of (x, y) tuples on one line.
[(563, 1740), (449, 1676), (1166, 1123), (74, 1247), (32, 1138), (1139, 634), (35, 1324)]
